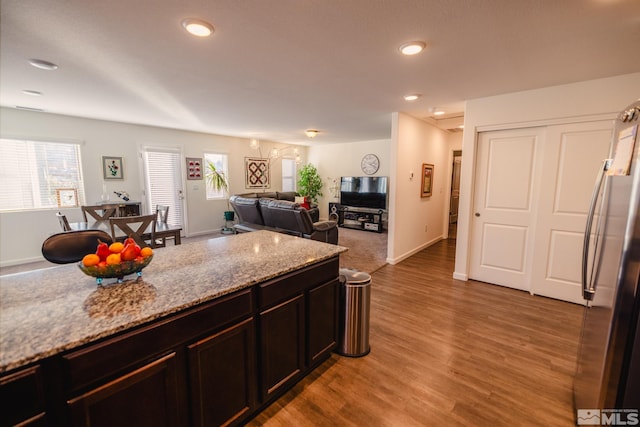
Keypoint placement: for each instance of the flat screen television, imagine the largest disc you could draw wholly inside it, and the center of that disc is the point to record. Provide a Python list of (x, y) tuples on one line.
[(364, 191)]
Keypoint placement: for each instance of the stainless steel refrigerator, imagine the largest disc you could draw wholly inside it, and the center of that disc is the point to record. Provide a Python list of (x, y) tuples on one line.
[(608, 370)]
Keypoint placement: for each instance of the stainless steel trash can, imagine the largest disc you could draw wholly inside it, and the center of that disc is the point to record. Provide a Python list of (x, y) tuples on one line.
[(355, 303)]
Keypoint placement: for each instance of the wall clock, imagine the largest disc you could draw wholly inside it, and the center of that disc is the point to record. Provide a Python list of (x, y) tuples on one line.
[(370, 164)]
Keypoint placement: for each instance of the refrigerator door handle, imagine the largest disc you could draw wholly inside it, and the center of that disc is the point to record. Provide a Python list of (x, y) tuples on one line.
[(588, 289)]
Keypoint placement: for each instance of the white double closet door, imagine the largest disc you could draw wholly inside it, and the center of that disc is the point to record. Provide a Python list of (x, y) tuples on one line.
[(532, 191)]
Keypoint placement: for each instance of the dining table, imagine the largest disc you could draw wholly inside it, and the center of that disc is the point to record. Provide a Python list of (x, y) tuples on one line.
[(163, 230)]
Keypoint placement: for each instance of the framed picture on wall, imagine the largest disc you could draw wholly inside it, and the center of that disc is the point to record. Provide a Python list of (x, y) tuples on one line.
[(427, 180), (112, 167), (194, 168), (67, 197), (256, 172)]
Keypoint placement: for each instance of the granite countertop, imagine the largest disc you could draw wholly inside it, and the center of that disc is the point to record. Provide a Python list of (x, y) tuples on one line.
[(48, 311)]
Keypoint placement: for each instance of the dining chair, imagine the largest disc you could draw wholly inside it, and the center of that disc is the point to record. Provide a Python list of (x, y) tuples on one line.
[(64, 222), (162, 213), (141, 228), (72, 246), (99, 212)]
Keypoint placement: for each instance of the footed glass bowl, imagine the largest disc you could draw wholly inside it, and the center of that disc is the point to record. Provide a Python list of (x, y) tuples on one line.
[(117, 271)]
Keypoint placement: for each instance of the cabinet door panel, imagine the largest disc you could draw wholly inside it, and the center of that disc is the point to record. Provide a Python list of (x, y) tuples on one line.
[(322, 321), (22, 398), (223, 376), (282, 341), (148, 396)]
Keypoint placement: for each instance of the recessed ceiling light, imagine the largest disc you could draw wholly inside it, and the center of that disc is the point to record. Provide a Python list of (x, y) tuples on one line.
[(412, 97), (32, 92), (412, 48), (197, 27), (43, 65), (438, 113), (20, 107)]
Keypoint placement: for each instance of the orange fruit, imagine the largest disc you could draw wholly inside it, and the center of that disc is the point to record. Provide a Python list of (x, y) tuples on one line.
[(145, 252), (116, 247), (113, 259), (90, 260)]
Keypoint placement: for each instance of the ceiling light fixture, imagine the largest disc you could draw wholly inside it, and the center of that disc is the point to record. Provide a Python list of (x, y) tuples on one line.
[(311, 133), (412, 97), (438, 113), (197, 27), (31, 92), (412, 48), (43, 65), (20, 107)]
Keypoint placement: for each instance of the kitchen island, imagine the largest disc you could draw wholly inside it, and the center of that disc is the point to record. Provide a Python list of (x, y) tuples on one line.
[(211, 333)]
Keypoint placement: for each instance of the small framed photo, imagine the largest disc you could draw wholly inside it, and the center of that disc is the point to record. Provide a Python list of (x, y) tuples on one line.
[(67, 197), (194, 168), (427, 180), (112, 167)]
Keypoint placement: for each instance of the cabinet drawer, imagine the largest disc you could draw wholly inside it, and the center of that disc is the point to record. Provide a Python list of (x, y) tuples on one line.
[(22, 398), (108, 358), (282, 288)]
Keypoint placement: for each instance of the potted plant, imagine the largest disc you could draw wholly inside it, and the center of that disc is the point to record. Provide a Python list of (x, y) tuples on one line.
[(309, 182), (218, 181)]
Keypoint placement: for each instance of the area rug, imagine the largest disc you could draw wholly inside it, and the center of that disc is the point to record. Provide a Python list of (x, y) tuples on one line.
[(367, 250)]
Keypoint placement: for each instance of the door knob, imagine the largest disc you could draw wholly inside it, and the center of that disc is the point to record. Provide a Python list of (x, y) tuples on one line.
[(477, 213)]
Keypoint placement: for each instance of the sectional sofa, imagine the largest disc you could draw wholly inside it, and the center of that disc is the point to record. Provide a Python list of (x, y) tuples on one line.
[(284, 216)]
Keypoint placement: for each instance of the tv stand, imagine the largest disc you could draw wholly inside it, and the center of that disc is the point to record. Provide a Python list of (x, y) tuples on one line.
[(358, 218)]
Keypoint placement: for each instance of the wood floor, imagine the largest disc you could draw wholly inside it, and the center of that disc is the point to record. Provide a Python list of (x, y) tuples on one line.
[(445, 353)]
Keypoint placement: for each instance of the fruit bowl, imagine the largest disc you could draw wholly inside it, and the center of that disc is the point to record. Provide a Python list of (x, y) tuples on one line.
[(118, 271)]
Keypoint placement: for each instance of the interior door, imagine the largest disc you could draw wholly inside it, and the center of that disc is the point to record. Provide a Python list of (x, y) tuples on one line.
[(573, 154), (163, 182), (506, 185)]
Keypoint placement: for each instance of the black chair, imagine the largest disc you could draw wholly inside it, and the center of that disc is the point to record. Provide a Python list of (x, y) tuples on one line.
[(72, 246)]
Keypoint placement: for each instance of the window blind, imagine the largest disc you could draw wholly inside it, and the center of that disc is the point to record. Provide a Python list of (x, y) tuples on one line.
[(163, 183), (32, 172)]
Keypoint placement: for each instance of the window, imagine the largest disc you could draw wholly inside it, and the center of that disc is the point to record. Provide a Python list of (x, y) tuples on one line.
[(33, 171), (220, 162), (288, 175)]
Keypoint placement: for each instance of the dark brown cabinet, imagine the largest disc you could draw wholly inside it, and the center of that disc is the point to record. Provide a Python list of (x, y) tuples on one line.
[(217, 363), (223, 376), (282, 337), (322, 329), (22, 399), (147, 396)]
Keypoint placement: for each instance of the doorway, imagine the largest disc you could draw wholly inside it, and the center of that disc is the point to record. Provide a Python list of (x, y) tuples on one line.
[(530, 202), (455, 194), (163, 182)]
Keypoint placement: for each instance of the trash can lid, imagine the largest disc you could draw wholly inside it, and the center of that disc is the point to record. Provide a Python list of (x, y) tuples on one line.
[(352, 276)]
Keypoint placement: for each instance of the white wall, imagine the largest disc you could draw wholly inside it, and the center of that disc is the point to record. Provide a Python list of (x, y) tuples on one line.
[(22, 233), (417, 222), (578, 102), (413, 142), (336, 160)]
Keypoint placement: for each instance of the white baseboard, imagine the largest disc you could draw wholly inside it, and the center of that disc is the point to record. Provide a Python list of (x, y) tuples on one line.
[(414, 251), (460, 276)]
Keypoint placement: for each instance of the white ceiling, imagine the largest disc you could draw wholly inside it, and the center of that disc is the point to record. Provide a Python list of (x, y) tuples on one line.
[(274, 68)]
